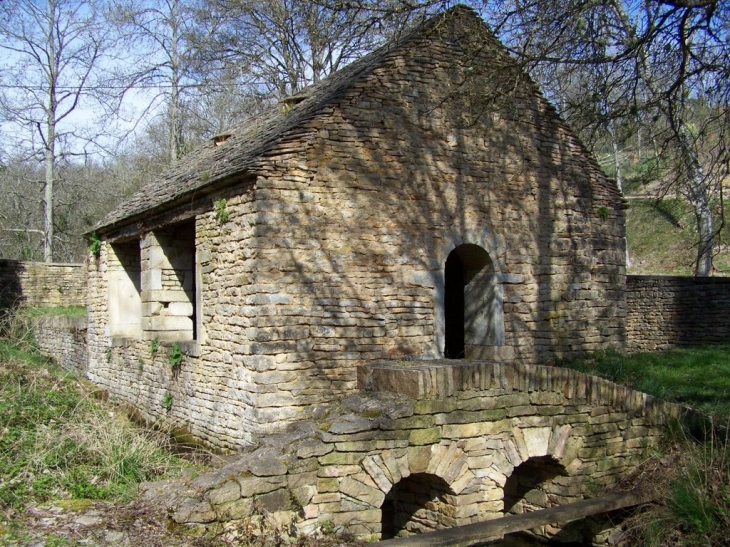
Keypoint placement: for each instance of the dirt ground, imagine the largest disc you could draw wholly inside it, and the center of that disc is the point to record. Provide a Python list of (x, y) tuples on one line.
[(97, 524)]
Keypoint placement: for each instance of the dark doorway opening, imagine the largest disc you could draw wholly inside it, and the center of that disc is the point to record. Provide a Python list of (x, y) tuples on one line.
[(454, 307)]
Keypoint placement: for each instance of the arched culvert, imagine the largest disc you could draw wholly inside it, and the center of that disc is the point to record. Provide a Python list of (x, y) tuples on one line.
[(415, 505), (531, 485)]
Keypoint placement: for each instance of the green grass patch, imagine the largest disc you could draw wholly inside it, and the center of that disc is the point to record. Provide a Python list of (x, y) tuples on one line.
[(43, 311), (58, 442), (696, 377), (662, 238)]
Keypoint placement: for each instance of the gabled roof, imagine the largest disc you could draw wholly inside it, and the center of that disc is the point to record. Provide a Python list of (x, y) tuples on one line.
[(240, 148)]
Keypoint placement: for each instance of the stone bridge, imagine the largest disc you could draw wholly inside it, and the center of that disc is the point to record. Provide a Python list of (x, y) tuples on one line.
[(431, 445)]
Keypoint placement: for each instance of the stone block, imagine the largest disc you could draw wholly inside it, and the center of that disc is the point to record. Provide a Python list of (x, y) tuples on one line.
[(235, 510), (461, 431), (536, 440), (362, 492), (230, 491), (194, 511), (278, 500), (331, 471), (419, 458), (424, 436)]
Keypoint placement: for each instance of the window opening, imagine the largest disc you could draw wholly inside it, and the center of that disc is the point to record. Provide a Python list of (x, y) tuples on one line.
[(170, 288)]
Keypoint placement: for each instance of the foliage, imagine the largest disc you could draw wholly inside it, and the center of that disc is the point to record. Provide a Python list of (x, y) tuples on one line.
[(58, 442), (94, 245), (167, 401), (221, 211), (154, 347), (697, 377), (662, 238), (176, 356), (692, 505)]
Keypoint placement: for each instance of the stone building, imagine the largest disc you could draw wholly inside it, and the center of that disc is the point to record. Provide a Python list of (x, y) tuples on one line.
[(424, 202)]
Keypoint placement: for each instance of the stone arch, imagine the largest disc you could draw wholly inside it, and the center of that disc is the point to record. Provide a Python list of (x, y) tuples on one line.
[(416, 504), (542, 466), (442, 468), (480, 253), (531, 485), (473, 310)]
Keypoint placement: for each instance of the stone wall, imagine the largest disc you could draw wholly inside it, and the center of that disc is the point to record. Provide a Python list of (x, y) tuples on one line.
[(477, 435), (334, 248), (665, 312), (63, 339), (41, 284)]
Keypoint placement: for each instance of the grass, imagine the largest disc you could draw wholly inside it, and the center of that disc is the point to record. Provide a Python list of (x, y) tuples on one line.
[(58, 442), (697, 377), (662, 238), (42, 311), (693, 501)]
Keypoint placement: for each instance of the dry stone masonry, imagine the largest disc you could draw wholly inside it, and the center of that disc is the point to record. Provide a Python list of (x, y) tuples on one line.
[(63, 339), (456, 444), (41, 284), (665, 312), (425, 202)]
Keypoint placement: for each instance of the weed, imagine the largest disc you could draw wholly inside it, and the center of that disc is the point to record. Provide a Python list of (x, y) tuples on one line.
[(154, 347), (603, 212), (327, 527), (221, 211), (57, 442), (693, 496), (176, 356), (108, 354), (94, 244), (167, 401)]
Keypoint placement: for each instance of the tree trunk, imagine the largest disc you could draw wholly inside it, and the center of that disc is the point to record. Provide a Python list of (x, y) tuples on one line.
[(697, 192), (619, 177), (50, 138)]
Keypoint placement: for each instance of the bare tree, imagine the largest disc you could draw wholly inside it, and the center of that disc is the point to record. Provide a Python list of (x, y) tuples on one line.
[(277, 47), (157, 33), (52, 50), (648, 59)]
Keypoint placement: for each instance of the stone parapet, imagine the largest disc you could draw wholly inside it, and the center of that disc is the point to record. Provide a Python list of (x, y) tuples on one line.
[(472, 442)]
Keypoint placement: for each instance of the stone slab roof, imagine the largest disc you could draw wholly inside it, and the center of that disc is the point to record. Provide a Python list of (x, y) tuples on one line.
[(245, 146), (245, 143)]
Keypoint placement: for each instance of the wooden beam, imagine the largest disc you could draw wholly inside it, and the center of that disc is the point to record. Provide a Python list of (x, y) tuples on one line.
[(470, 534)]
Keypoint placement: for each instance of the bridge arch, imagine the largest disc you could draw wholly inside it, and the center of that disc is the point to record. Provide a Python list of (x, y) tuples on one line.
[(531, 485)]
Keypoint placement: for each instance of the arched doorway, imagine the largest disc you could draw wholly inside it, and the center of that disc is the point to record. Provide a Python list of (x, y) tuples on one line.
[(415, 505), (473, 313), (454, 307)]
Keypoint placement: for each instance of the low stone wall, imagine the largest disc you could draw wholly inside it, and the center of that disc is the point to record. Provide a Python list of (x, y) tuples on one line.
[(665, 312), (41, 284), (483, 439), (63, 339)]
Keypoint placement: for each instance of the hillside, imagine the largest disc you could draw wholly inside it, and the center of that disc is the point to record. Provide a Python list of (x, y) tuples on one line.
[(662, 238)]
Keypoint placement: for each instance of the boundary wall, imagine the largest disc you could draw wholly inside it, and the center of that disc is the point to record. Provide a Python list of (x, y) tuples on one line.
[(664, 312)]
